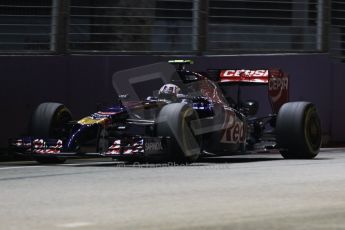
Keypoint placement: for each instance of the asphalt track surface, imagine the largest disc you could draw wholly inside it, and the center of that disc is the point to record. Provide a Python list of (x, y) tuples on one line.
[(259, 191)]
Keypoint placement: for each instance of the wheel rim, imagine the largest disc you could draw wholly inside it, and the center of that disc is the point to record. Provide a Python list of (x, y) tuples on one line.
[(58, 123), (313, 131)]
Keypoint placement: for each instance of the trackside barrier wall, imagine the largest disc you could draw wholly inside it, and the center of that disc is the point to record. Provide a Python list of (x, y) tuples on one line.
[(83, 83)]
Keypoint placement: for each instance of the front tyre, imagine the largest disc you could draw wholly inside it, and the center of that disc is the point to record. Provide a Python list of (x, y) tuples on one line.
[(179, 122), (48, 121), (298, 130)]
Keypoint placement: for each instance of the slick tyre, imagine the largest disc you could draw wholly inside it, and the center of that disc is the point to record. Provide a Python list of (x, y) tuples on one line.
[(298, 130), (48, 121), (178, 121)]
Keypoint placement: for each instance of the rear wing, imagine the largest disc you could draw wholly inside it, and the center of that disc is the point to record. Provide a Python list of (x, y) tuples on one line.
[(276, 80)]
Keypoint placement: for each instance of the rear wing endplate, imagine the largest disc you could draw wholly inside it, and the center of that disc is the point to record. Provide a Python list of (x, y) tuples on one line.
[(276, 80)]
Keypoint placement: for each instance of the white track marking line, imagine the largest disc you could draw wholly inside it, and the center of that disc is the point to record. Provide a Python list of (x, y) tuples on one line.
[(22, 167), (75, 225)]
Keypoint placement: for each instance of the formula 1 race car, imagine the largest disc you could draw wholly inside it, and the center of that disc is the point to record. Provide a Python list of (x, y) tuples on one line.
[(166, 112)]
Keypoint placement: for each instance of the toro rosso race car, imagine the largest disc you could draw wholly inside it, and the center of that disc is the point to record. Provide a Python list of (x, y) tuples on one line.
[(166, 112)]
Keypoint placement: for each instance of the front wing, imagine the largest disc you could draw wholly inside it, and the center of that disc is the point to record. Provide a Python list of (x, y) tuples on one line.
[(134, 146)]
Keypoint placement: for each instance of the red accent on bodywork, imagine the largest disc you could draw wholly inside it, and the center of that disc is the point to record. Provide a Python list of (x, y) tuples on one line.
[(277, 81), (40, 147), (278, 89)]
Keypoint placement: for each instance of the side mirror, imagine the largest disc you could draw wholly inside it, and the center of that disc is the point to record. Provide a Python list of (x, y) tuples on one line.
[(250, 107)]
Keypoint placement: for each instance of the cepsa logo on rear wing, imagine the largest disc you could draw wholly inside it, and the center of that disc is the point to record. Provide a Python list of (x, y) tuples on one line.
[(259, 76), (277, 81)]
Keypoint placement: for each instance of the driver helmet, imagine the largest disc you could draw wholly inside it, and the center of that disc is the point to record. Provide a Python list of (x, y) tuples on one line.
[(169, 91)]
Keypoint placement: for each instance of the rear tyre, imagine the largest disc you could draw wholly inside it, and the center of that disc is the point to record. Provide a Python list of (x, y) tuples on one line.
[(178, 121), (298, 130), (48, 121)]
